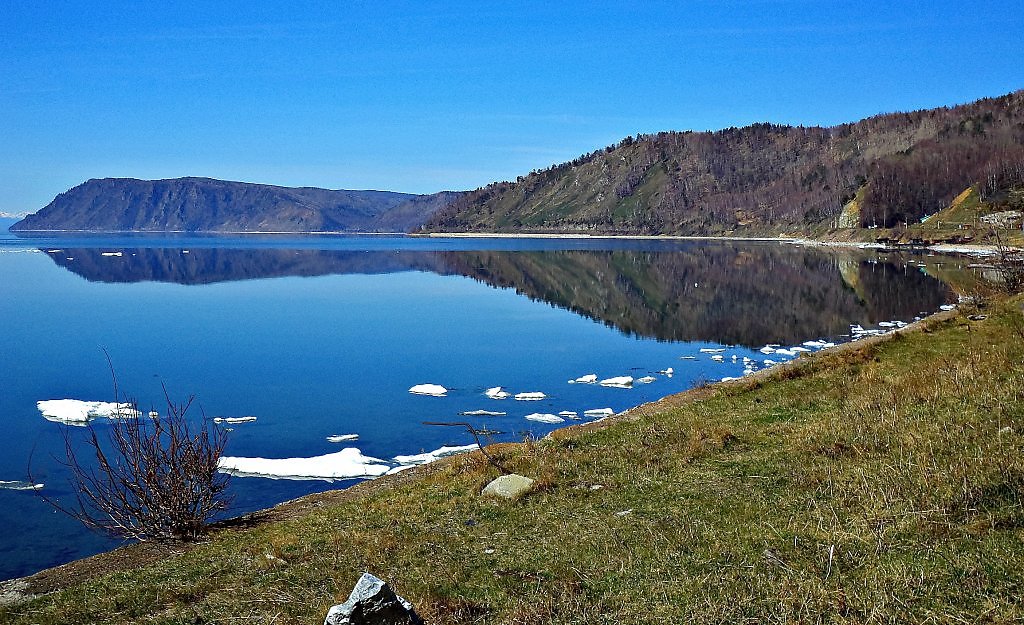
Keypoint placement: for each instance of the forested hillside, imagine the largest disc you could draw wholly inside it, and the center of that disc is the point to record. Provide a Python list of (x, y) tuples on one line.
[(764, 178)]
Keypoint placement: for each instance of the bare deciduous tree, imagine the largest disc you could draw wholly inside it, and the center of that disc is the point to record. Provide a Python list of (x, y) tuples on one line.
[(155, 478)]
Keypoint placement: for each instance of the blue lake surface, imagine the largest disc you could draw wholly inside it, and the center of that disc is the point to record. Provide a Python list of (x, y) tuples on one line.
[(317, 336)]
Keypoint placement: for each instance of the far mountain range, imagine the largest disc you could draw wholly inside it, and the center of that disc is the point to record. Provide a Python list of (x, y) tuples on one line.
[(885, 171), (208, 205)]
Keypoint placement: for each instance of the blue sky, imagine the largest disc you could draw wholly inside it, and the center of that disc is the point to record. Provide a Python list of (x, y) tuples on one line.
[(421, 97)]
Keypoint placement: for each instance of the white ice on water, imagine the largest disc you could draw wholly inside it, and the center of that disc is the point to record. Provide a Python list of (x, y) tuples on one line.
[(544, 417), (647, 379), (111, 254), (598, 412), (349, 463), (78, 412), (482, 413), (497, 392), (19, 485), (234, 420), (590, 378), (341, 438), (622, 381), (433, 390), (531, 396), (431, 456)]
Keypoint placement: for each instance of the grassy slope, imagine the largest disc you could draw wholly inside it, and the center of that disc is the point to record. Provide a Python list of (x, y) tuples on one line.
[(875, 484)]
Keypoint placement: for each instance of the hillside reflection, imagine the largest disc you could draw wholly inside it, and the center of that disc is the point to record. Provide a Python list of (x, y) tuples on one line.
[(725, 293)]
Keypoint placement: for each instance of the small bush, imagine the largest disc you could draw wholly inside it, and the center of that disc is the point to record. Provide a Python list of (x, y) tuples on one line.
[(154, 478)]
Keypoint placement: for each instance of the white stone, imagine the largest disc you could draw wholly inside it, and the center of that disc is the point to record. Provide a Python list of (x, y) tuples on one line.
[(510, 486)]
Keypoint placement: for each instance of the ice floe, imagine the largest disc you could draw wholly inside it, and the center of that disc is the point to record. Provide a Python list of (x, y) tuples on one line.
[(531, 396), (569, 414), (78, 412), (622, 381), (687, 358), (497, 392), (433, 390), (667, 372), (598, 412), (111, 254), (234, 420), (544, 417), (766, 350), (19, 485), (718, 358), (349, 463), (431, 456), (483, 413), (712, 350), (590, 378), (341, 438), (647, 379)]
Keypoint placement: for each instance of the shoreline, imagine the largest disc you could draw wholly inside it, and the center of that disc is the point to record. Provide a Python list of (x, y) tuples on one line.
[(940, 248), (134, 555)]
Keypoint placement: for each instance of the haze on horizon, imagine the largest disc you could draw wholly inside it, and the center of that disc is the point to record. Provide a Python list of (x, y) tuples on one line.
[(419, 99)]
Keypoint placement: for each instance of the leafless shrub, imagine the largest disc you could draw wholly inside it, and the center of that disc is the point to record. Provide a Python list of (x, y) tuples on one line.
[(1009, 265), (476, 437), (154, 479)]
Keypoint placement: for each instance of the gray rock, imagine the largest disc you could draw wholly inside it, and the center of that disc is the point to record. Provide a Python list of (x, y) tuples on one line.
[(509, 486), (372, 602)]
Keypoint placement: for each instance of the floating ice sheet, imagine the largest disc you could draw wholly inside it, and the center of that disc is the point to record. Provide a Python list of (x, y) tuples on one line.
[(598, 412), (434, 390), (349, 463), (590, 378), (496, 392), (531, 396), (544, 417), (431, 456), (341, 438), (483, 413), (622, 381), (19, 485), (234, 420), (78, 412)]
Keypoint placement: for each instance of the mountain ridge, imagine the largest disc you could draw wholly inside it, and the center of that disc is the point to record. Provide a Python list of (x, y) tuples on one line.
[(763, 178), (198, 204)]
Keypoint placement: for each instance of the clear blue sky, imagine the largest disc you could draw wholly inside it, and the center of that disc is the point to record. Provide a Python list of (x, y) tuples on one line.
[(421, 97)]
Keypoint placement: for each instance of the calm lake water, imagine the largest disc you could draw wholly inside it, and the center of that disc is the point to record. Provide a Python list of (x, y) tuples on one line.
[(320, 336)]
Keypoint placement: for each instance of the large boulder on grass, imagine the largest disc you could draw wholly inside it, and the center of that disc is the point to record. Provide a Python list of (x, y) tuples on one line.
[(372, 602), (511, 486)]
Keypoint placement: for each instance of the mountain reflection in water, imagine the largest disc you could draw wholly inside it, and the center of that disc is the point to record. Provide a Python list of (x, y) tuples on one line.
[(718, 292)]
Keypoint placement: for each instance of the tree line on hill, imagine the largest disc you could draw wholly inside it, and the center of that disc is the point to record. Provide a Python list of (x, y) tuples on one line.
[(763, 177)]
